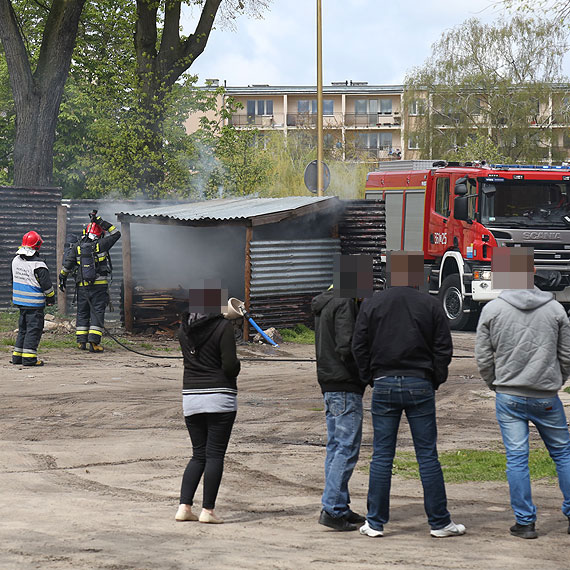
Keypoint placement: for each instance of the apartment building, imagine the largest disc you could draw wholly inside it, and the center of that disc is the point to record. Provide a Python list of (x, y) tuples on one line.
[(367, 122), (360, 121)]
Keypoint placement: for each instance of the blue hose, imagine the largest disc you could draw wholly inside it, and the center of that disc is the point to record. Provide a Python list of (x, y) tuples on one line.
[(256, 326)]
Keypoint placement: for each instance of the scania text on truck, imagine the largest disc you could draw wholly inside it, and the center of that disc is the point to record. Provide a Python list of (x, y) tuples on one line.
[(457, 214)]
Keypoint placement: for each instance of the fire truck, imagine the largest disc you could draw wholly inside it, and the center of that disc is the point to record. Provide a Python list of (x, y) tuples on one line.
[(458, 213)]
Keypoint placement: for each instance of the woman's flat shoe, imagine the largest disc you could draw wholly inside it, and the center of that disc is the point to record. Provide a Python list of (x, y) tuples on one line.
[(206, 517), (185, 515)]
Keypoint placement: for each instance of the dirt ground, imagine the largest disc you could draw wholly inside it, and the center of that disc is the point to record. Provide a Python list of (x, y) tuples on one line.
[(93, 448)]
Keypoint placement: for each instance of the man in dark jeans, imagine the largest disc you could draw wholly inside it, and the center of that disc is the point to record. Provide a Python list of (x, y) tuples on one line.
[(335, 313), (402, 345)]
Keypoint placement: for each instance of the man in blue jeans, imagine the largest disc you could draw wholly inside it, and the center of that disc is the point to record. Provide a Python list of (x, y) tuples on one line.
[(402, 345), (335, 313), (523, 354)]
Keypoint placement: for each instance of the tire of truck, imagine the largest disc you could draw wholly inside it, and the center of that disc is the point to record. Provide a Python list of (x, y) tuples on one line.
[(453, 304)]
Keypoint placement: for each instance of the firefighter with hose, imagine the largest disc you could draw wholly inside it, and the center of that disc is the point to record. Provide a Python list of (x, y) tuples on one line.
[(31, 292), (89, 261)]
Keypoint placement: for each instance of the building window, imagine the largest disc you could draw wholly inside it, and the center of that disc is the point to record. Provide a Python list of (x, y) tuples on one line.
[(442, 196), (361, 107), (306, 106), (386, 106), (374, 140), (413, 143), (416, 107), (259, 107)]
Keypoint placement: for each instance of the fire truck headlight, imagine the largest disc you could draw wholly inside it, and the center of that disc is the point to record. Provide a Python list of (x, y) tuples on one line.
[(482, 275)]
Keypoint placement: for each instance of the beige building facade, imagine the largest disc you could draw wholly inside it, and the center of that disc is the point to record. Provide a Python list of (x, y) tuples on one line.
[(364, 122), (360, 121)]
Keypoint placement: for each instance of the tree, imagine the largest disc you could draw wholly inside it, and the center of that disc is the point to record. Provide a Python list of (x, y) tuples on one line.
[(557, 9), (163, 57), (498, 82), (37, 82), (154, 67)]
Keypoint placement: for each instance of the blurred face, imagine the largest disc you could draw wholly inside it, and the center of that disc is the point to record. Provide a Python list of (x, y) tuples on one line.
[(512, 268), (207, 297), (405, 268), (352, 276)]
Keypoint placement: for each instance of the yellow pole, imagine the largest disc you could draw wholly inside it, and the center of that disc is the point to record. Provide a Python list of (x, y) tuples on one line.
[(320, 185)]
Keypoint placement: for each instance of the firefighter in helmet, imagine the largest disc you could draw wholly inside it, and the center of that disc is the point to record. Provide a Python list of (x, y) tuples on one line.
[(89, 261), (31, 292)]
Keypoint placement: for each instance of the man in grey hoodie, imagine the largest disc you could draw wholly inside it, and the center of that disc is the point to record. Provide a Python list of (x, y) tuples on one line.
[(523, 354)]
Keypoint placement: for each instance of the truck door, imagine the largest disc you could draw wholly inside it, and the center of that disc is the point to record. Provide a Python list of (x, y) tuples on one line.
[(438, 232)]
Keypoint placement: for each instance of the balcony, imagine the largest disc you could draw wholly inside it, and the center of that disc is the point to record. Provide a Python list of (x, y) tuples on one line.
[(372, 120), (376, 153), (258, 121)]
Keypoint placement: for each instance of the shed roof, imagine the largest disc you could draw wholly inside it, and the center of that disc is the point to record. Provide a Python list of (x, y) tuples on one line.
[(242, 211)]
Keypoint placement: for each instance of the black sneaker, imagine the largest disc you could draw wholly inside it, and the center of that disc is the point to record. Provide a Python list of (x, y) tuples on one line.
[(354, 518), (337, 523), (524, 530), (568, 525)]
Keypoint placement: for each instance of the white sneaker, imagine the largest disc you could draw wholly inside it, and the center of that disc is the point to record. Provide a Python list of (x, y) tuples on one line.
[(372, 533), (451, 529)]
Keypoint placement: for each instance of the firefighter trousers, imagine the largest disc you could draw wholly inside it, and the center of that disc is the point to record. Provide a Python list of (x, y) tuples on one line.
[(91, 304), (30, 329)]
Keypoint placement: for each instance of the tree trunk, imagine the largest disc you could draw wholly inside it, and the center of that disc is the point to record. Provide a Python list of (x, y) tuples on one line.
[(37, 95), (158, 68)]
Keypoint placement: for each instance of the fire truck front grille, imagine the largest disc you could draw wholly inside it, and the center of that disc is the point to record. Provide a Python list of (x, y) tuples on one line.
[(546, 256)]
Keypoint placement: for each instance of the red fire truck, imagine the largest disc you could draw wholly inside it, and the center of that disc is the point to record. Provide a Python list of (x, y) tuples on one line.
[(457, 213)]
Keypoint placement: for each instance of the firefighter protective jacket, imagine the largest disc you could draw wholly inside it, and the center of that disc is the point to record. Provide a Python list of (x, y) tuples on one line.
[(31, 282), (72, 259)]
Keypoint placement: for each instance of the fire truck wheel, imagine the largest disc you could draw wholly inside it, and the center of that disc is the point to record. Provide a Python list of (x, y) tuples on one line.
[(454, 305)]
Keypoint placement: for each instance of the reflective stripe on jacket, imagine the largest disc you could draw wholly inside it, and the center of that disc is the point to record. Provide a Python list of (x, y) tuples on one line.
[(26, 290)]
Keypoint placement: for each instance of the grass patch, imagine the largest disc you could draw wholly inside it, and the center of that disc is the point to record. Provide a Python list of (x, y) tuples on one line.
[(467, 465), (567, 389), (316, 409), (299, 334), (9, 320)]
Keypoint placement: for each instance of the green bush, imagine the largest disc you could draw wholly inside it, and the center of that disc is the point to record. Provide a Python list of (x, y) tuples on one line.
[(299, 334)]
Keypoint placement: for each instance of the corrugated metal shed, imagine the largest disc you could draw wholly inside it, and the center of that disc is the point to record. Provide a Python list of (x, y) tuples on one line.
[(285, 276), (285, 267), (255, 211), (23, 210)]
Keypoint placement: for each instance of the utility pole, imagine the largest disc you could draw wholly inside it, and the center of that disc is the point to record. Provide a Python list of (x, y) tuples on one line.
[(320, 185)]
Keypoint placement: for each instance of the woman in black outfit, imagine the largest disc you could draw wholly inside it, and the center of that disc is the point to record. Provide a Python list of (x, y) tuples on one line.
[(209, 399)]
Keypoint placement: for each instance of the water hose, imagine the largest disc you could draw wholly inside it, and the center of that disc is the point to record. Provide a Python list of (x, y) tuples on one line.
[(258, 329)]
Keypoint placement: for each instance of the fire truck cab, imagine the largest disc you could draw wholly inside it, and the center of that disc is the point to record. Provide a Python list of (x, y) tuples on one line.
[(458, 213)]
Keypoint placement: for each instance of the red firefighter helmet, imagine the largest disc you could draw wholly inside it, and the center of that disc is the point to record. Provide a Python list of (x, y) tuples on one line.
[(93, 230), (32, 239)]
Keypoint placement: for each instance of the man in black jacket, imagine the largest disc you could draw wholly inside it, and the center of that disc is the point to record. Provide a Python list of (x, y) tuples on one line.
[(402, 345), (335, 313)]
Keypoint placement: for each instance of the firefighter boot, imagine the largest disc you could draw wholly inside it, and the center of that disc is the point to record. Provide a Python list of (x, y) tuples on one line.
[(36, 363), (82, 345), (95, 347)]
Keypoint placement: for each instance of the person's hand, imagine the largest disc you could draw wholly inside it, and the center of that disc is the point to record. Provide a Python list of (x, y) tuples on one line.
[(95, 218), (50, 301), (62, 281)]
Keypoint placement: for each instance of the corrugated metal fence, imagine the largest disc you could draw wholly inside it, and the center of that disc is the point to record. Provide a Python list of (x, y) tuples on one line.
[(285, 276), (23, 210)]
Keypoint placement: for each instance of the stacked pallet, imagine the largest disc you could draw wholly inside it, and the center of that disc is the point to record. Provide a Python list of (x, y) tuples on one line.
[(362, 230), (159, 308)]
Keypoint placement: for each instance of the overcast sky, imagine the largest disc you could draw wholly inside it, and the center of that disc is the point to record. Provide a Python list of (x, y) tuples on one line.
[(363, 40)]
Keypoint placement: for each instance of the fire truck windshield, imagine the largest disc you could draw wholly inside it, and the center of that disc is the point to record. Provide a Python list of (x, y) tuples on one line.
[(524, 203)]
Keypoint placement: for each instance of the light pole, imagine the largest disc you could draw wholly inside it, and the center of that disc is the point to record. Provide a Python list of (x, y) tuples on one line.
[(320, 186)]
